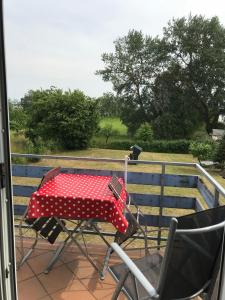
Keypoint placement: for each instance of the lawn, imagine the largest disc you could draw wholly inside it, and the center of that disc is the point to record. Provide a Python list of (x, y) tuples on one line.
[(120, 154)]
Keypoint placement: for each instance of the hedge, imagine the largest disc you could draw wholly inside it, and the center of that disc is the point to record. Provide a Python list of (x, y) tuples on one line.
[(160, 146)]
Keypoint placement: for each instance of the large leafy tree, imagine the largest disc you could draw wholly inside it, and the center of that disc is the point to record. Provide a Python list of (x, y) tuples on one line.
[(178, 80), (108, 105), (175, 113), (132, 69), (66, 118), (197, 49)]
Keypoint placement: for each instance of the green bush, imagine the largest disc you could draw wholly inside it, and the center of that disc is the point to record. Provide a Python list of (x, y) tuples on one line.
[(219, 153), (118, 145), (19, 160), (202, 151), (37, 148), (107, 131), (68, 119), (144, 132), (160, 146)]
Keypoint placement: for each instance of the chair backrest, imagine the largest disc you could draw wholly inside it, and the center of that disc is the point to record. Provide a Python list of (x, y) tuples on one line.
[(191, 254), (115, 186), (48, 176)]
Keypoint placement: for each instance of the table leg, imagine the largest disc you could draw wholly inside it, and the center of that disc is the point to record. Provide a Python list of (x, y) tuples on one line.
[(59, 250), (79, 246)]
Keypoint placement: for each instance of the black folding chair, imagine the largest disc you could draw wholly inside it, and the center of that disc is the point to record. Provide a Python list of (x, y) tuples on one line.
[(191, 261), (134, 229), (47, 228)]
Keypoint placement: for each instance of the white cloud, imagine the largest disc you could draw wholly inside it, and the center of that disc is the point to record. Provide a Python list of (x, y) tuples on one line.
[(50, 42)]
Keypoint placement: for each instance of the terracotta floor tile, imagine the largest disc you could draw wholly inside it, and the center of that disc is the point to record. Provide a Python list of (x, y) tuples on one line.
[(39, 263), (67, 295), (24, 272), (59, 278), (75, 285), (67, 257), (82, 269), (101, 289), (73, 277), (18, 255), (37, 251), (97, 283), (30, 289)]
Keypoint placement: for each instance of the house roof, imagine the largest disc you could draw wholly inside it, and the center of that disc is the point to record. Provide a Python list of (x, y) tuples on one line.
[(218, 132)]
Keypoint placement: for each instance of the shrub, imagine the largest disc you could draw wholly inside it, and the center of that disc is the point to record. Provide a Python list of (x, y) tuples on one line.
[(219, 153), (67, 118), (144, 133), (19, 160), (107, 131), (37, 148), (160, 146), (202, 151)]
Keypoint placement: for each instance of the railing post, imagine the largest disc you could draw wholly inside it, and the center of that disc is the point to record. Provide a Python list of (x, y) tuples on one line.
[(125, 171), (161, 201), (221, 289), (216, 196)]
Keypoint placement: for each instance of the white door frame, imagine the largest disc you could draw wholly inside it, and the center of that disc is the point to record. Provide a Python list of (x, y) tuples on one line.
[(8, 290)]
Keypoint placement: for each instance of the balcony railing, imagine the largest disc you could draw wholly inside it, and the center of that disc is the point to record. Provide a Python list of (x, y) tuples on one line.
[(209, 192)]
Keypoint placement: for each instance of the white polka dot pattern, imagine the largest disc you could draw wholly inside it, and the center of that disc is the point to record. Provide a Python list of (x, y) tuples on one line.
[(74, 196)]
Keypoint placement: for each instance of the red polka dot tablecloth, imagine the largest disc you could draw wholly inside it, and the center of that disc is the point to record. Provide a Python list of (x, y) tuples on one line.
[(75, 196)]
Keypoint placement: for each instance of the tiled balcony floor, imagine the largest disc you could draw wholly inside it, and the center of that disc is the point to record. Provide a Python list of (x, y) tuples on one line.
[(72, 277)]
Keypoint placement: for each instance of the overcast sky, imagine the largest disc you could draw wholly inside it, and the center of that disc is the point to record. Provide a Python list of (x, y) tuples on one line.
[(59, 43)]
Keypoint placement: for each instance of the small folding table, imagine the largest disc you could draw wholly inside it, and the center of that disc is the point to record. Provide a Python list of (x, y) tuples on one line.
[(85, 198)]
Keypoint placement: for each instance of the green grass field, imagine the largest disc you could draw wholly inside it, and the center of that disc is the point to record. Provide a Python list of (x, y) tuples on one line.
[(116, 124), (18, 143)]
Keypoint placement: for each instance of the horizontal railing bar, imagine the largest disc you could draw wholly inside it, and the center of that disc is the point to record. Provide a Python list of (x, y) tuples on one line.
[(39, 171), (188, 181), (102, 159), (206, 194), (150, 200), (62, 157), (211, 180), (153, 200), (105, 233)]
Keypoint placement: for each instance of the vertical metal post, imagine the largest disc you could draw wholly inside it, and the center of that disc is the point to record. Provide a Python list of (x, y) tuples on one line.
[(216, 196), (125, 171), (161, 202), (221, 290)]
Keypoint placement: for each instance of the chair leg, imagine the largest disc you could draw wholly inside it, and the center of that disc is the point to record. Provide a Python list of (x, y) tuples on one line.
[(135, 287), (120, 285), (106, 262), (25, 256)]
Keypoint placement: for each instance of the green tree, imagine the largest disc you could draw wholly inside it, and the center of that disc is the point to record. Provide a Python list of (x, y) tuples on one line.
[(132, 69), (17, 116), (202, 151), (107, 131), (108, 105), (67, 118), (175, 114), (184, 71), (197, 50), (144, 132)]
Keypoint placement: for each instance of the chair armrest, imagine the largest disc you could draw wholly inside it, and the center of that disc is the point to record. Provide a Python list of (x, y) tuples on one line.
[(135, 271)]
